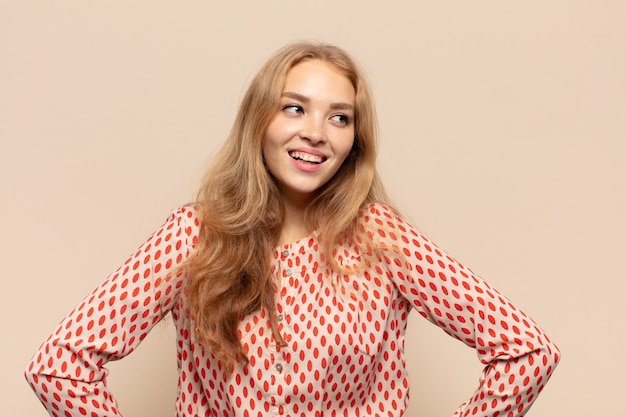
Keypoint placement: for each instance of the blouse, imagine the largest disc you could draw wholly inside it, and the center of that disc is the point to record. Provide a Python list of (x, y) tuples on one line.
[(344, 332)]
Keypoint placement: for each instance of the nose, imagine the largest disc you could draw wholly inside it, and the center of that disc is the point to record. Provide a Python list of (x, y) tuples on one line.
[(314, 130)]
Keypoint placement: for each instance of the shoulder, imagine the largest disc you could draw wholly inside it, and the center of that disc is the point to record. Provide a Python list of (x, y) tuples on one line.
[(382, 221), (187, 213), (376, 210), (380, 214), (186, 222)]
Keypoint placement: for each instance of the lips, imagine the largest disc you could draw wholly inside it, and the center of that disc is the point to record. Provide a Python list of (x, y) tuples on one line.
[(307, 157)]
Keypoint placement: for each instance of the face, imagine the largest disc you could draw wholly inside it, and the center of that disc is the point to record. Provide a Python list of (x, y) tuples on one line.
[(312, 132)]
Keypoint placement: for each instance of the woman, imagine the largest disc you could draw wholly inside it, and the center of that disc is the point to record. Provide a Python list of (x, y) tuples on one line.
[(290, 279)]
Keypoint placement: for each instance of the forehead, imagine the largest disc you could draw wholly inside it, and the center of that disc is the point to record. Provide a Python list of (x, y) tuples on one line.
[(315, 78)]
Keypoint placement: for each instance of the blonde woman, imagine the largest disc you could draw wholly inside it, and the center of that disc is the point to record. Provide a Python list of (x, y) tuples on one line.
[(291, 278)]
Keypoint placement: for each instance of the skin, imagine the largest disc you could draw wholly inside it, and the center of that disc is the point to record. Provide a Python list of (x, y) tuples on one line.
[(309, 138)]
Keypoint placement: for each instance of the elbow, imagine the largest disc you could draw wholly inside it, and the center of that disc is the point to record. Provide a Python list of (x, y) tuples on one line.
[(555, 353), (551, 356), (41, 365), (31, 374)]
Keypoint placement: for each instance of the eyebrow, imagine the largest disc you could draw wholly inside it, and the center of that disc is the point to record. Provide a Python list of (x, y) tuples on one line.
[(305, 99)]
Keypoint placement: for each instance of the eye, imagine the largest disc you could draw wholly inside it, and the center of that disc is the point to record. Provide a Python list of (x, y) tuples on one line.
[(293, 109), (341, 119)]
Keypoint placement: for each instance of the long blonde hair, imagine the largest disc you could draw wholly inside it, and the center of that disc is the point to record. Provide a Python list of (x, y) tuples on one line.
[(241, 209)]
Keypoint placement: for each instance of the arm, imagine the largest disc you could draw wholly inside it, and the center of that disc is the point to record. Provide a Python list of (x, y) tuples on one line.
[(67, 372), (518, 356)]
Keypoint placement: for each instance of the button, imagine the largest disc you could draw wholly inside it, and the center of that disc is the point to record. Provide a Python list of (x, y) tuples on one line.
[(280, 317), (285, 253), (279, 367), (288, 272)]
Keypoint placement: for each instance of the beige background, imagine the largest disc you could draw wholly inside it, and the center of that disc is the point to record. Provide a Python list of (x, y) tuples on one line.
[(503, 135)]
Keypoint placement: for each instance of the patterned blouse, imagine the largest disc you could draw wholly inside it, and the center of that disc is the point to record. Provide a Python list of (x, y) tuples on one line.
[(344, 332)]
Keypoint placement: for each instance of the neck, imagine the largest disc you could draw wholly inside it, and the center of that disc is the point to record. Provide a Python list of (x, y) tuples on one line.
[(294, 227)]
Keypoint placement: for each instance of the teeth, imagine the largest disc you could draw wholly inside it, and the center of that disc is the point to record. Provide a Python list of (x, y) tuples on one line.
[(307, 157)]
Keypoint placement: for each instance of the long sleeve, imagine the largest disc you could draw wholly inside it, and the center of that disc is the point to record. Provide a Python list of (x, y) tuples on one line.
[(517, 354), (67, 372)]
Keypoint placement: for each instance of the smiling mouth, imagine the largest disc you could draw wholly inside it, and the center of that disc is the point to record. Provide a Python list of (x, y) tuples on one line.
[(307, 157)]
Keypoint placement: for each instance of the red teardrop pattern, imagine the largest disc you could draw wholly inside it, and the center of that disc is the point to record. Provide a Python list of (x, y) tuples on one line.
[(344, 333)]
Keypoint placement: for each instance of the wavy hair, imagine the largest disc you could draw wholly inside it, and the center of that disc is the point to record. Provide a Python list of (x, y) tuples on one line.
[(241, 208)]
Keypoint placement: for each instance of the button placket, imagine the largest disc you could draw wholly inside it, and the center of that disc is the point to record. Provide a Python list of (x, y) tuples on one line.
[(277, 381), (291, 274)]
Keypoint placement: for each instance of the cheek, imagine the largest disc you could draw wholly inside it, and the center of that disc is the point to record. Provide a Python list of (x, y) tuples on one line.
[(346, 147), (268, 142), (270, 153), (271, 140)]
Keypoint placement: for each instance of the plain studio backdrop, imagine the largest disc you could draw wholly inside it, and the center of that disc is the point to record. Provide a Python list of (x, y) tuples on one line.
[(503, 136)]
